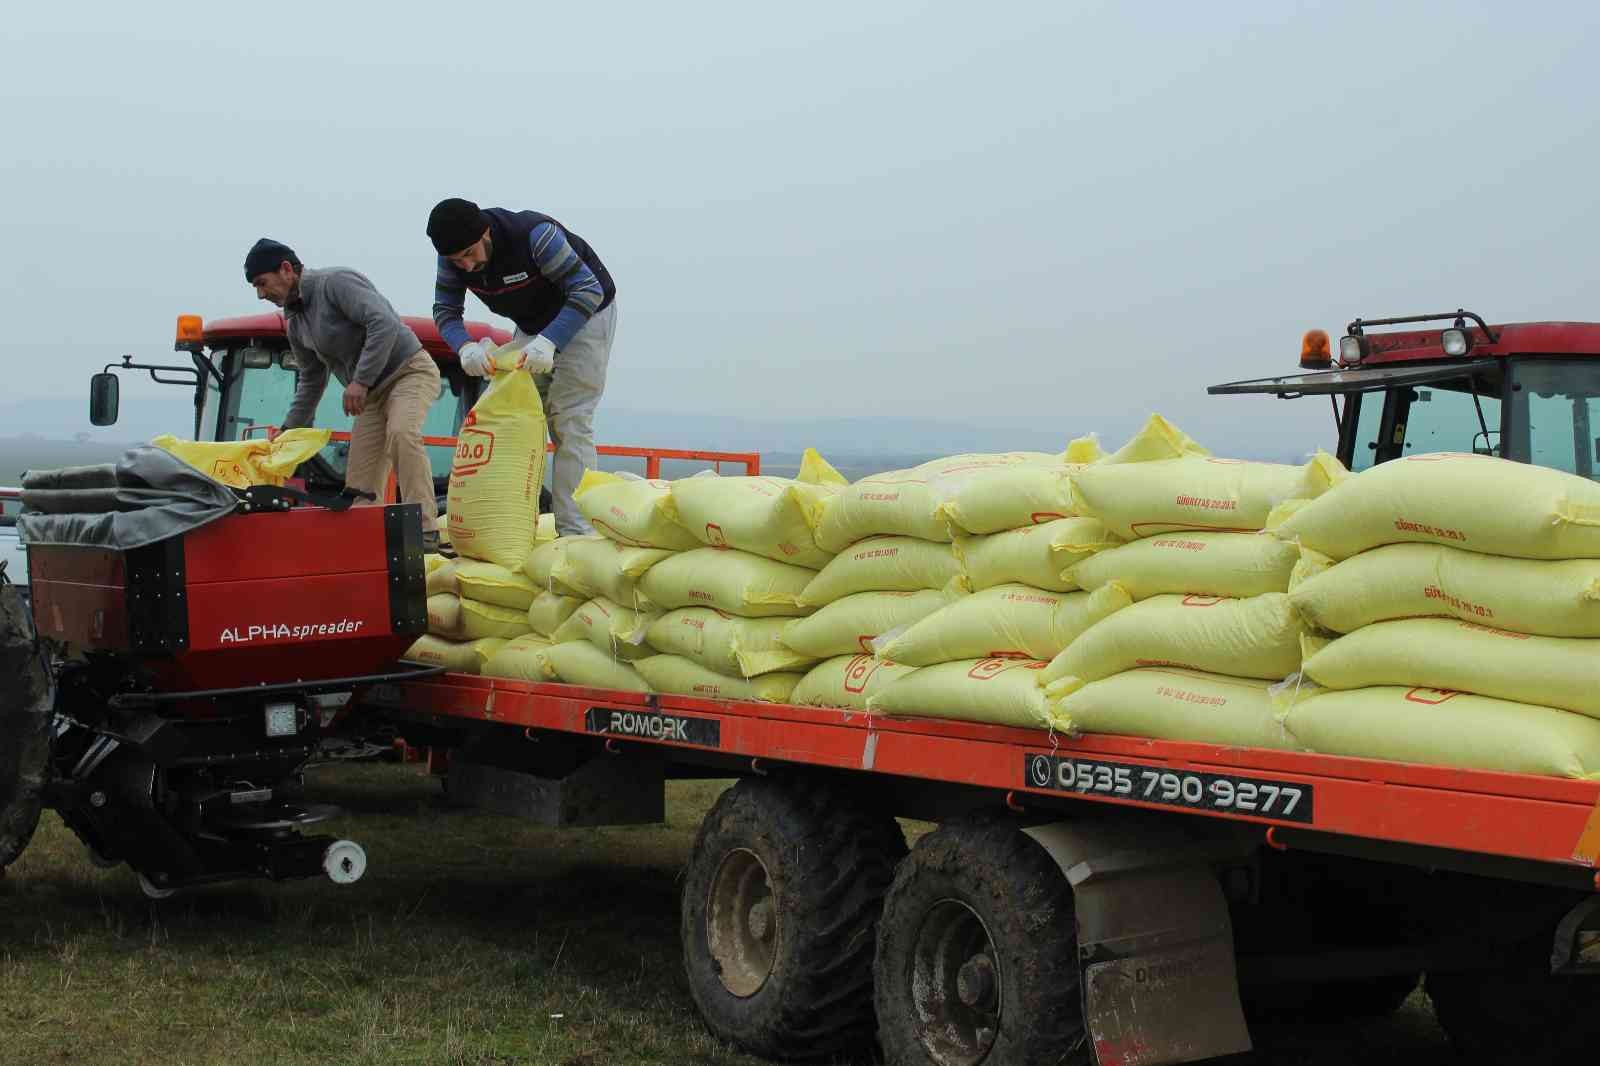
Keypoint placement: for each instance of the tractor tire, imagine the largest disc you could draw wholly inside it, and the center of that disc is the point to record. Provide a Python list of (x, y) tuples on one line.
[(25, 713), (977, 954), (1521, 1013), (781, 898)]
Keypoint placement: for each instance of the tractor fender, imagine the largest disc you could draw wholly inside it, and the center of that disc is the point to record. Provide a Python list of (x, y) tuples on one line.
[(25, 713), (1155, 943)]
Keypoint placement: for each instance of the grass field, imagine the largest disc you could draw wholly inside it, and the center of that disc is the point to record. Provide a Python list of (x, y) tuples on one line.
[(474, 939)]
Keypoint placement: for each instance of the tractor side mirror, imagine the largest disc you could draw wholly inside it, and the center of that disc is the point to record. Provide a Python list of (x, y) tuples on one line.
[(104, 398)]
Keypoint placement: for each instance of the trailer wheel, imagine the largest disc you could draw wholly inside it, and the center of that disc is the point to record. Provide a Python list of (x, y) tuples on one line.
[(1523, 1013), (780, 902), (977, 954), (25, 714)]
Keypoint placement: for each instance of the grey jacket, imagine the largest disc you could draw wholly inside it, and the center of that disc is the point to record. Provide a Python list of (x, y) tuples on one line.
[(341, 323)]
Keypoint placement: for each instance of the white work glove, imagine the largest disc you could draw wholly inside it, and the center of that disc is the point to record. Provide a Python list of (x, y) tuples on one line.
[(539, 354), (477, 359)]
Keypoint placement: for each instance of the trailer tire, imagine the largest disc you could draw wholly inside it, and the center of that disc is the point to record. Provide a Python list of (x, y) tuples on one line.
[(1522, 1013), (781, 898), (977, 954), (25, 699)]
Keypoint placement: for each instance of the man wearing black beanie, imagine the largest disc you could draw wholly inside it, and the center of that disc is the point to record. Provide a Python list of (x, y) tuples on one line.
[(335, 320), (545, 278)]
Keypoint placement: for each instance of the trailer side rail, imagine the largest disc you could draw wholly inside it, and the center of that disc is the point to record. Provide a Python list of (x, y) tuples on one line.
[(1513, 816)]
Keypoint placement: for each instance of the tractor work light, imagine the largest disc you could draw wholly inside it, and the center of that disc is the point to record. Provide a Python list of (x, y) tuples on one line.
[(1314, 353), (283, 719), (1352, 349), (1456, 341)]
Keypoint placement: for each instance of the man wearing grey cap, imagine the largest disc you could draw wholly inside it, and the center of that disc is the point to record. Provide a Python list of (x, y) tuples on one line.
[(337, 321)]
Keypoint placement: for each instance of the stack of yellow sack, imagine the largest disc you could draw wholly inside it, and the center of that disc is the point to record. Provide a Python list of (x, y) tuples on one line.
[(874, 586), (973, 650), (474, 608), (588, 608), (1211, 629), (727, 599), (1457, 603)]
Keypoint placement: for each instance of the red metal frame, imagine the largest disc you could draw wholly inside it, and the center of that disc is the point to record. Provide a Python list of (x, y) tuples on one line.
[(1551, 820), (1550, 339), (653, 457), (7, 496)]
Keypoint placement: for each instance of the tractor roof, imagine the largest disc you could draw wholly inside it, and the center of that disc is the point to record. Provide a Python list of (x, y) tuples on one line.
[(270, 324)]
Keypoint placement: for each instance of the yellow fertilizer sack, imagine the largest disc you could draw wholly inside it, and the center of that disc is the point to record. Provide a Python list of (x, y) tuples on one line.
[(1157, 439), (1196, 492), (632, 511), (487, 620), (441, 574), (493, 501), (545, 531), (1476, 502), (1204, 563), (997, 691), (1033, 555), (594, 566), (1553, 598), (549, 609), (521, 659), (717, 640), (883, 564), (911, 502), (496, 584), (1027, 494), (1256, 637), (545, 561), (1464, 657), (444, 616), (458, 657), (1184, 705), (849, 625), (772, 517), (1007, 621), (609, 626), (846, 681), (685, 677), (577, 662), (1438, 728), (243, 463), (737, 582)]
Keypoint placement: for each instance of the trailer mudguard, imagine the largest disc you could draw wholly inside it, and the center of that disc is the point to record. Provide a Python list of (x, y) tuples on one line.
[(25, 699), (1155, 942)]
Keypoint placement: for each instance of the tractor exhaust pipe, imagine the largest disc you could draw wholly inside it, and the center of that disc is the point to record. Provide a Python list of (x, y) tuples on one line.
[(26, 696)]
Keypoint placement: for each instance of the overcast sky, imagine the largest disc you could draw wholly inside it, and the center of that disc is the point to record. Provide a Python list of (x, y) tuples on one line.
[(1069, 214)]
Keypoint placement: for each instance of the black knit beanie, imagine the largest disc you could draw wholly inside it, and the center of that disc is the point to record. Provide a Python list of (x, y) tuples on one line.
[(454, 224), (265, 256)]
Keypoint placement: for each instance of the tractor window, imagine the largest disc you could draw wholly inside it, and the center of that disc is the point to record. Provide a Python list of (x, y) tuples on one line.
[(1443, 417), (1557, 414), (1369, 417)]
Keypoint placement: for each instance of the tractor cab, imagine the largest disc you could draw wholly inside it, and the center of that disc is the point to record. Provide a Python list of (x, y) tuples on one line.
[(243, 376), (1527, 391)]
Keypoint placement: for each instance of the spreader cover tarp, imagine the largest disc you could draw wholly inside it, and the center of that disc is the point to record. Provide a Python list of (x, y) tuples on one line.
[(147, 496)]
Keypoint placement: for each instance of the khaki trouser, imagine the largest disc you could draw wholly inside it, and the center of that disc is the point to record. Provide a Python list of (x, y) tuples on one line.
[(389, 432), (570, 394)]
